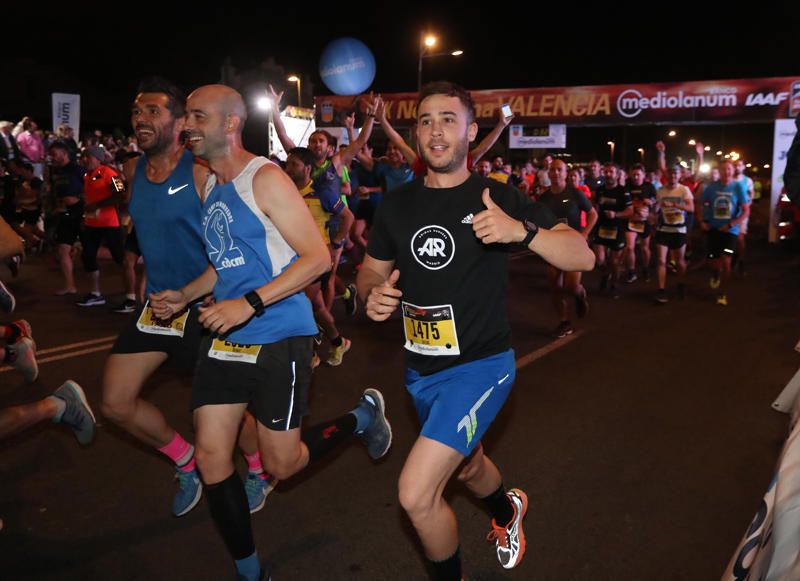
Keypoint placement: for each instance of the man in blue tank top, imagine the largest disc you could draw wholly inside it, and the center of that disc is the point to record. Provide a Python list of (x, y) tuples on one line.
[(264, 249), (166, 212)]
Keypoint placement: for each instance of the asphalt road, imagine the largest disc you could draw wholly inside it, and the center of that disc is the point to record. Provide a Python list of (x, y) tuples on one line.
[(644, 442)]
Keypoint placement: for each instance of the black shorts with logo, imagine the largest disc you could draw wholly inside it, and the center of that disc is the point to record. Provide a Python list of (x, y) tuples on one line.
[(181, 350), (275, 384), (68, 228), (720, 244), (615, 242)]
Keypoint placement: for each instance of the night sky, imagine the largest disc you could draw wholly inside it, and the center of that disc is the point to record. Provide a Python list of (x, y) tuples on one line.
[(102, 56)]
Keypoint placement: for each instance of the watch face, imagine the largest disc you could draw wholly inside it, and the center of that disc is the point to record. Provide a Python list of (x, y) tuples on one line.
[(530, 226)]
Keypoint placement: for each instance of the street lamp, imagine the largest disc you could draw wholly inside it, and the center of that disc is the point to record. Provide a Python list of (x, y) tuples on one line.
[(641, 153), (427, 42), (611, 144), (296, 79)]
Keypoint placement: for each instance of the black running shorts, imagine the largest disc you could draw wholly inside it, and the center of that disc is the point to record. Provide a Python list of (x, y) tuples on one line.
[(273, 379), (720, 244), (181, 350)]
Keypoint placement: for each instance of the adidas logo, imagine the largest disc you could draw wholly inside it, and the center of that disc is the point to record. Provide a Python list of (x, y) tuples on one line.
[(467, 219)]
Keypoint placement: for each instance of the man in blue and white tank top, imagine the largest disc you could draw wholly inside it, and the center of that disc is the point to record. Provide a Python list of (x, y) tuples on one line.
[(264, 249), (166, 211)]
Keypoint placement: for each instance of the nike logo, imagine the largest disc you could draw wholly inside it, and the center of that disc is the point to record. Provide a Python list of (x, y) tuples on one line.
[(278, 420), (172, 191)]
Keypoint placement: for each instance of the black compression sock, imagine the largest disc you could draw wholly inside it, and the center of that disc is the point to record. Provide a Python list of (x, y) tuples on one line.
[(227, 503), (337, 342), (499, 506), (324, 437), (449, 569)]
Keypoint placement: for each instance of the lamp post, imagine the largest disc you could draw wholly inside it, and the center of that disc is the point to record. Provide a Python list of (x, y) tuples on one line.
[(641, 153), (296, 79), (611, 145), (428, 41)]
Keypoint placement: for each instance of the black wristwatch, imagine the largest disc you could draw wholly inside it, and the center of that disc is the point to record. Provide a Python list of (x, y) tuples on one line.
[(532, 230), (255, 302)]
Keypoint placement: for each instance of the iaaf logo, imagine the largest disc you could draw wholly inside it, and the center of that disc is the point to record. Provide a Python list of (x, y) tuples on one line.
[(631, 102)]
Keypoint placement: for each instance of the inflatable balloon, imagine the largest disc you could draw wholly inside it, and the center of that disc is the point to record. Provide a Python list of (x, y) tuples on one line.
[(347, 66)]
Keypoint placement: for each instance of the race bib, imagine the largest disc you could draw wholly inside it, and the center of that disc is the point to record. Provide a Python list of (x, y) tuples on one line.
[(149, 323), (673, 217), (607, 232), (227, 351), (430, 330), (636, 227)]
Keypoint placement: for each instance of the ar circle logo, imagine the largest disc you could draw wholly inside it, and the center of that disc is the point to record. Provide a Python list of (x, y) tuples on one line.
[(433, 247)]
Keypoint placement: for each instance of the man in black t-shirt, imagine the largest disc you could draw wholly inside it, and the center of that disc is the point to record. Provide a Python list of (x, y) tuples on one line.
[(567, 205), (640, 226), (614, 207), (66, 184), (439, 250)]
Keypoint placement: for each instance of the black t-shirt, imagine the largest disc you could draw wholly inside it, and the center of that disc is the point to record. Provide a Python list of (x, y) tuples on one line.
[(566, 206), (639, 195), (454, 286), (67, 180), (616, 199)]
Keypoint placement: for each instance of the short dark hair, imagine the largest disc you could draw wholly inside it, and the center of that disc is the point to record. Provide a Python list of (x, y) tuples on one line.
[(177, 98), (304, 154), (58, 144), (448, 89), (638, 166)]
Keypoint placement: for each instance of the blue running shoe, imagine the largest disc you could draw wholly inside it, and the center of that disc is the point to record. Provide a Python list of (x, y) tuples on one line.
[(77, 415), (377, 437), (24, 358), (190, 489), (257, 489)]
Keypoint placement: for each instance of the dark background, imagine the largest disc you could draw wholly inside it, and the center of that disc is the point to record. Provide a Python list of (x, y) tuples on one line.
[(102, 49)]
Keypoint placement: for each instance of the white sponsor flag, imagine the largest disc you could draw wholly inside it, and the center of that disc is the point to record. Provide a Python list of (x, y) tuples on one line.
[(770, 549), (784, 134), (67, 110)]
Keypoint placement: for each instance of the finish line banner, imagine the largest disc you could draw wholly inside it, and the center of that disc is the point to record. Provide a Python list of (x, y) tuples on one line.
[(67, 110), (743, 100)]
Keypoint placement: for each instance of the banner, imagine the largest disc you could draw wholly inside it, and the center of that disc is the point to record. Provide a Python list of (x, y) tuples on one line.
[(689, 102), (784, 134), (67, 110), (553, 136)]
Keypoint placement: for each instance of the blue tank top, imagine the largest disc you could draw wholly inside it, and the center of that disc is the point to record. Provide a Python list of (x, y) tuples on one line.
[(167, 218), (248, 252)]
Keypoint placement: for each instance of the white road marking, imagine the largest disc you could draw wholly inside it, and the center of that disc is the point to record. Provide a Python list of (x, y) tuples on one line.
[(549, 348)]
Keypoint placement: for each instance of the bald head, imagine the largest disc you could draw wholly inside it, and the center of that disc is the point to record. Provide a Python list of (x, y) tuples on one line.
[(227, 101)]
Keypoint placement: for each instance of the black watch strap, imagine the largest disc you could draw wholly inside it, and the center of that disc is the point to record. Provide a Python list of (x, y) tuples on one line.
[(255, 302), (532, 230)]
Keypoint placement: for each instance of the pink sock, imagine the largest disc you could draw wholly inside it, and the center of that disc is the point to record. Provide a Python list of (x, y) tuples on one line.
[(181, 452), (254, 462)]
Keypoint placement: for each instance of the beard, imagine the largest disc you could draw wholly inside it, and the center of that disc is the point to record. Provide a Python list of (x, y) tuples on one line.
[(448, 165)]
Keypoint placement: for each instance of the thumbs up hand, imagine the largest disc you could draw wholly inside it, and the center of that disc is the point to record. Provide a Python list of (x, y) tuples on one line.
[(494, 225), (384, 299)]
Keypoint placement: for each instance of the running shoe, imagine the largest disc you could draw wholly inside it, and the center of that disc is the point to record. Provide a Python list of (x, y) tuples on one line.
[(91, 300), (23, 330), (510, 539), (336, 354), (661, 297), (190, 489), (377, 437), (23, 358), (722, 300), (713, 282), (631, 277), (127, 306), (77, 413), (7, 300), (258, 487), (564, 328), (351, 301)]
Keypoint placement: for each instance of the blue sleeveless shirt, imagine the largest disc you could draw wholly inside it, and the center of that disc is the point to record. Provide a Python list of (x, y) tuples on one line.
[(167, 218), (246, 249)]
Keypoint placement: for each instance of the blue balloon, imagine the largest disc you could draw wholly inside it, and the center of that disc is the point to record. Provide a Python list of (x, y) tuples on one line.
[(347, 66)]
